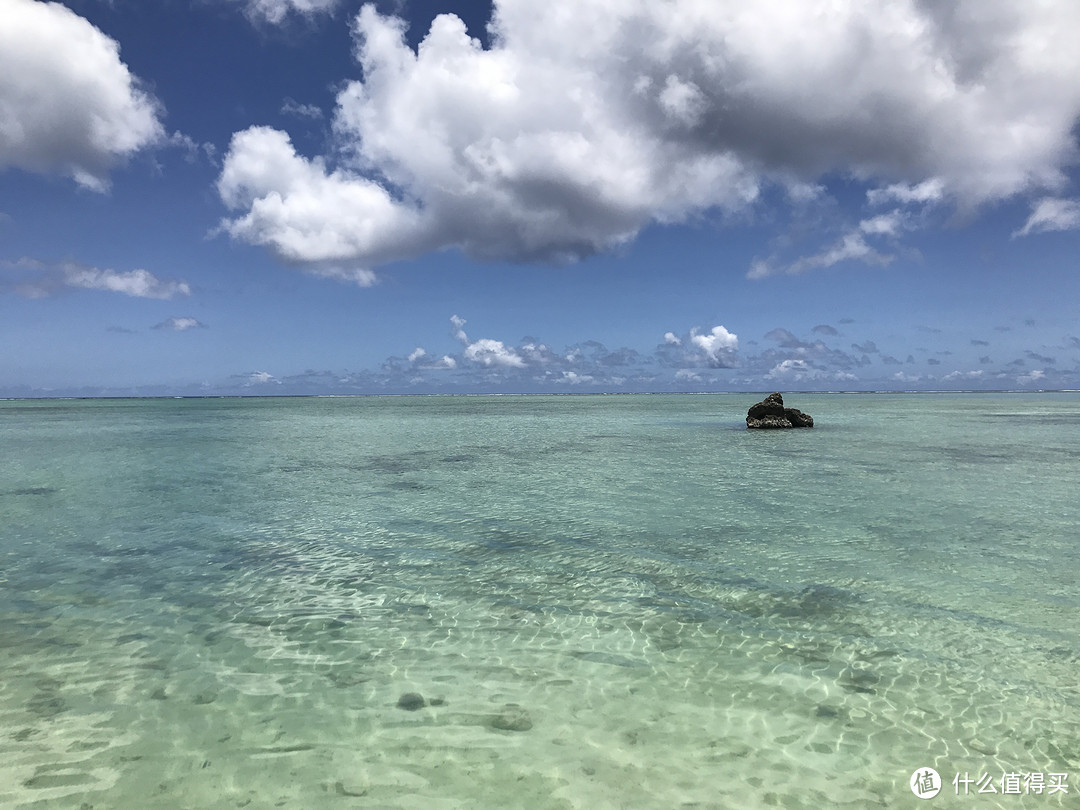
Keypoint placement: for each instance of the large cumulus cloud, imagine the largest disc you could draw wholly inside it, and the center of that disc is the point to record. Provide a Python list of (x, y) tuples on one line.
[(68, 104), (588, 119)]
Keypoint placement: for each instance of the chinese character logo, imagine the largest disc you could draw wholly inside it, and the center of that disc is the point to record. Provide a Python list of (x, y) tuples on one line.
[(925, 783)]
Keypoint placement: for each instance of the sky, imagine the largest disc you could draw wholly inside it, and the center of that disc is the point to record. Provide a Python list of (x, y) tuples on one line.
[(263, 197)]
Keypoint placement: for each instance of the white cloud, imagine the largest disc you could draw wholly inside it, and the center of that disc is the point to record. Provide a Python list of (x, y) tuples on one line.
[(68, 105), (573, 378), (718, 346), (295, 108), (928, 191), (587, 119), (360, 276), (963, 375), (759, 268), (419, 358), (256, 377), (1052, 214), (276, 11), (884, 224), (715, 348), (790, 369), (304, 213), (488, 352), (852, 246), (457, 329), (536, 353), (192, 149), (803, 193), (179, 324), (137, 283), (682, 101), (40, 280)]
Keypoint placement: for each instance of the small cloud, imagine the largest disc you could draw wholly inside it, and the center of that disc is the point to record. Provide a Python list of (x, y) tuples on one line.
[(671, 339), (298, 110), (977, 342), (120, 330), (683, 102), (852, 246), (1040, 358), (179, 324), (40, 280), (963, 375), (192, 149), (883, 225), (488, 352), (785, 338), (1051, 214), (869, 347), (262, 378), (928, 191), (573, 378), (360, 276), (802, 193), (276, 11), (759, 268), (136, 283), (718, 345), (1032, 376), (796, 369), (420, 359), (824, 329), (457, 330)]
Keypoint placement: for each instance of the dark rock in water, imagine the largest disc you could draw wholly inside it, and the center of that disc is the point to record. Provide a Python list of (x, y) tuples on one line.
[(771, 413), (512, 718), (411, 701)]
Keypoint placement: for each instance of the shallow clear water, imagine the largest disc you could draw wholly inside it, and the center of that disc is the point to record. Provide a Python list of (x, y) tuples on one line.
[(605, 602)]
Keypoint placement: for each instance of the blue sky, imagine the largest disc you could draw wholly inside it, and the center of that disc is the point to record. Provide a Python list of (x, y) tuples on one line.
[(331, 197)]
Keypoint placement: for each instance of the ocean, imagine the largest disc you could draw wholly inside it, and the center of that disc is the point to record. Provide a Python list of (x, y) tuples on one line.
[(539, 602)]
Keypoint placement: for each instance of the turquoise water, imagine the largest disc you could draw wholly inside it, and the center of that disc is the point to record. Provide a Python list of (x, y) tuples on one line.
[(603, 601)]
